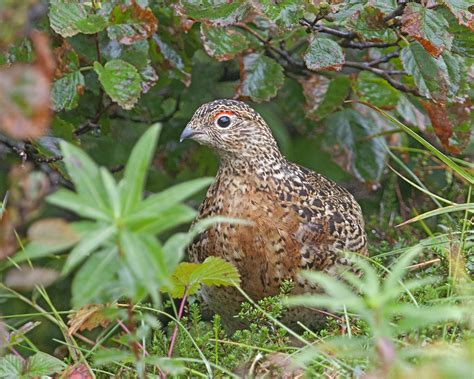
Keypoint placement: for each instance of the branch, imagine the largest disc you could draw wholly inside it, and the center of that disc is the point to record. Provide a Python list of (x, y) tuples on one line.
[(383, 59), (367, 45), (397, 12), (383, 74), (324, 29)]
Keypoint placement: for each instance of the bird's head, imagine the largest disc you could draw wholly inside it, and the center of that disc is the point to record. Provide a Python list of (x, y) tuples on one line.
[(231, 128)]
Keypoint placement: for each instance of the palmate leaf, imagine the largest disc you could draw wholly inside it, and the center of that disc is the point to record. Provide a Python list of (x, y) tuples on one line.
[(137, 166), (214, 271)]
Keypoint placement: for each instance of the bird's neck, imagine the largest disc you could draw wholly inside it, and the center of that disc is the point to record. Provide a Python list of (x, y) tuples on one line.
[(262, 165)]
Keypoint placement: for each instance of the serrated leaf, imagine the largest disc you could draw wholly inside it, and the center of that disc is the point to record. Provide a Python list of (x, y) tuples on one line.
[(69, 17), (454, 71), (370, 24), (67, 90), (260, 77), (428, 27), (427, 74), (376, 90), (214, 271), (92, 24), (222, 43), (42, 364), (285, 14), (88, 317), (131, 23), (137, 167), (121, 82), (11, 366), (462, 10), (323, 96), (63, 15), (347, 137), (324, 54), (218, 12)]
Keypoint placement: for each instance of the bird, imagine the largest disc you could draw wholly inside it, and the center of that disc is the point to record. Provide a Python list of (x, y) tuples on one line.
[(297, 219)]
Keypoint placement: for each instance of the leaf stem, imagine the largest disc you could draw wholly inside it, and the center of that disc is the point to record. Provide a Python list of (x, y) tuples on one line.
[(180, 314)]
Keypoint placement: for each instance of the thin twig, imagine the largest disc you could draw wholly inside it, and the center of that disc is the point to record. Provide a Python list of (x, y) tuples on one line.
[(324, 29), (383, 59), (397, 12)]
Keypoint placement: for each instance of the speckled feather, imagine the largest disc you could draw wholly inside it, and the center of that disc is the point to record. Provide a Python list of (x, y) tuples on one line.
[(299, 219)]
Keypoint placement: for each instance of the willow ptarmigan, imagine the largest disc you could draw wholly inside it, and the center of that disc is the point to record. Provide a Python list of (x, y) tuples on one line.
[(298, 218)]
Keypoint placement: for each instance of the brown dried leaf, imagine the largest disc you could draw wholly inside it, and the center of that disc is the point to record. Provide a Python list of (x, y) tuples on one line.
[(314, 89), (79, 371), (88, 317), (52, 232), (451, 124), (67, 60), (27, 278), (24, 93), (8, 241)]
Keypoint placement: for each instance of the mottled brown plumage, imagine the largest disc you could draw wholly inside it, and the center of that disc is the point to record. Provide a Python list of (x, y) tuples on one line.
[(299, 219)]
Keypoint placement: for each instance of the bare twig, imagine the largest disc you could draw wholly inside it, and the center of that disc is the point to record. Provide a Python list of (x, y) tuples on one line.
[(397, 12), (324, 29), (383, 59), (366, 45), (384, 74)]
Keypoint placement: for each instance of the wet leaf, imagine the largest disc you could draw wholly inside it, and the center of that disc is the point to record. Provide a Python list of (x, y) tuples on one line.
[(212, 272), (427, 74), (377, 91), (323, 96), (349, 139), (324, 54), (121, 82), (452, 123), (131, 23), (260, 77), (27, 278), (54, 233), (88, 317), (462, 10), (222, 43), (67, 90), (428, 27)]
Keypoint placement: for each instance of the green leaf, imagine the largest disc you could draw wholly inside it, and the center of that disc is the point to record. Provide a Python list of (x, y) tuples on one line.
[(69, 17), (42, 364), (214, 271), (112, 191), (463, 41), (428, 27), (67, 90), (92, 24), (73, 202), (88, 244), (440, 211), (454, 71), (92, 281), (131, 23), (324, 54), (376, 90), (428, 76), (137, 167), (164, 220), (140, 262), (218, 12), (348, 136), (261, 77), (371, 26), (63, 15), (121, 82), (462, 10), (323, 96), (11, 367), (222, 43), (285, 14)]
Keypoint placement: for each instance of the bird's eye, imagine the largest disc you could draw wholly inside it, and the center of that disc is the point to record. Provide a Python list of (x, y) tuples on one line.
[(224, 121)]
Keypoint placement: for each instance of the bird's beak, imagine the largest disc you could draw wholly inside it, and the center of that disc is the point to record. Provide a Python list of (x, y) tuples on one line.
[(188, 132)]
